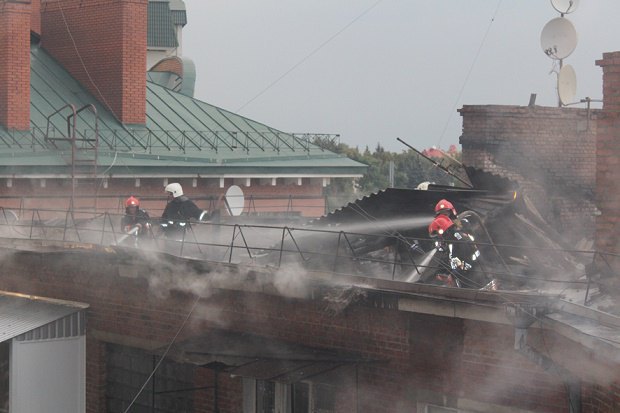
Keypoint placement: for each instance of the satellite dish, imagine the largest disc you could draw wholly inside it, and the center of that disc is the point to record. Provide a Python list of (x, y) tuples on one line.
[(565, 6), (558, 38), (567, 84), (235, 201)]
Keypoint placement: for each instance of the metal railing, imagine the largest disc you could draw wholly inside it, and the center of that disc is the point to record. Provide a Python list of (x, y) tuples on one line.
[(380, 254), (309, 206), (149, 140)]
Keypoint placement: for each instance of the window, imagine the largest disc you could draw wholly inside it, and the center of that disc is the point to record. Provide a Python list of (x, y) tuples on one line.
[(260, 396), (323, 398), (301, 398), (265, 396)]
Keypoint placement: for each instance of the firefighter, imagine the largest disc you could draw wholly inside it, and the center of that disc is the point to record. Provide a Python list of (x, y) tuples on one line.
[(445, 218), (453, 239), (179, 210), (136, 221)]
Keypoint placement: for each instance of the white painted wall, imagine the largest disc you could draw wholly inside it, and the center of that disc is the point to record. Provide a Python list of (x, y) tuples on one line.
[(48, 376)]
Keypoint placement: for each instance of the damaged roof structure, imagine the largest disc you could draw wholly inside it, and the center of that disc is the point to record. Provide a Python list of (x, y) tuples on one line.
[(337, 314), (339, 319)]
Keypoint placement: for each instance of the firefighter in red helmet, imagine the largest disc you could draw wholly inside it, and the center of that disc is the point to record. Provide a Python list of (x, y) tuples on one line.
[(454, 240), (445, 219), (136, 221), (445, 207)]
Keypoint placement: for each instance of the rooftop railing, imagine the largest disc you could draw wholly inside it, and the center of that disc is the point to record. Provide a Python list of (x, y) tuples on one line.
[(154, 140), (382, 254)]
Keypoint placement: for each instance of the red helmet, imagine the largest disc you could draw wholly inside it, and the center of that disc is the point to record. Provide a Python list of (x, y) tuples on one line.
[(440, 224), (444, 205), (132, 201)]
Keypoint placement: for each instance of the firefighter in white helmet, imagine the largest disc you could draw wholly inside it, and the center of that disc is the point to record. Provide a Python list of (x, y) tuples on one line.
[(179, 210)]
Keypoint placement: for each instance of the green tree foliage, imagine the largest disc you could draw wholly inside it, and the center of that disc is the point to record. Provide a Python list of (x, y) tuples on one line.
[(410, 169)]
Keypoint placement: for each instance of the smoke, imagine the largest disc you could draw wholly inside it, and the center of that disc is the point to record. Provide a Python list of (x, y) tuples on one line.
[(292, 281), (206, 311), (168, 273)]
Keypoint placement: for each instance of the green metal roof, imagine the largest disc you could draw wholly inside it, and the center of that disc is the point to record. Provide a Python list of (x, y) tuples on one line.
[(160, 25), (182, 136)]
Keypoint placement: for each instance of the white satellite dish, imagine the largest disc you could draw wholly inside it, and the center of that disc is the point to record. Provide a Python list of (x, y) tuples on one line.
[(567, 84), (558, 38), (235, 201), (565, 6)]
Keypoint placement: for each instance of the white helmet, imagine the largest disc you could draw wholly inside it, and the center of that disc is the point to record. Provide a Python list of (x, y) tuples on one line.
[(175, 189)]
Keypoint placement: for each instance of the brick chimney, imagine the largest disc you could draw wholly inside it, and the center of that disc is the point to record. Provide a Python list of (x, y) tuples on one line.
[(35, 18), (102, 43), (608, 157), (15, 64)]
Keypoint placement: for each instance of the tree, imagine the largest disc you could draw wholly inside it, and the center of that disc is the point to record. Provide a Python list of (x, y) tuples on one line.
[(410, 169)]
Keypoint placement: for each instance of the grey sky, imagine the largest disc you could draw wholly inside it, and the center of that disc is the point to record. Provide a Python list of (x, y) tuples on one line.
[(397, 71)]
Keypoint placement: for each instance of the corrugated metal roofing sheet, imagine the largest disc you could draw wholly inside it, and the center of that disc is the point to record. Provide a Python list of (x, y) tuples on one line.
[(160, 25), (22, 313)]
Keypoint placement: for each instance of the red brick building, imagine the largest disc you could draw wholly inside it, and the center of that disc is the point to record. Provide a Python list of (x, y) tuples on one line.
[(82, 127), (550, 152), (172, 334), (608, 156), (237, 339)]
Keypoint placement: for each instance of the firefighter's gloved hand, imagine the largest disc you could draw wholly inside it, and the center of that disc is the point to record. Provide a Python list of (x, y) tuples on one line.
[(132, 229), (440, 246), (415, 248), (456, 263)]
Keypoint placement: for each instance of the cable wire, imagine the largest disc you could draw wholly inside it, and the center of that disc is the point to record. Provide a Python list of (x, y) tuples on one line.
[(309, 55), (164, 355), (77, 52), (469, 72)]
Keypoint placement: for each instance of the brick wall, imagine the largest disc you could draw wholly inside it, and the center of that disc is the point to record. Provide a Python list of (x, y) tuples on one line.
[(140, 303), (550, 152), (102, 43), (15, 65), (608, 156), (603, 399), (35, 17), (260, 197)]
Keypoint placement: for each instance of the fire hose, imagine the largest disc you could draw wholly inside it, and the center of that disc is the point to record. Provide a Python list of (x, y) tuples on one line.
[(484, 228)]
